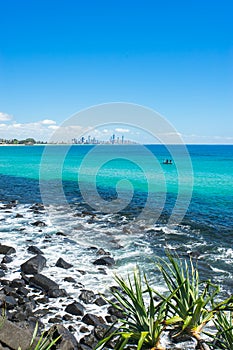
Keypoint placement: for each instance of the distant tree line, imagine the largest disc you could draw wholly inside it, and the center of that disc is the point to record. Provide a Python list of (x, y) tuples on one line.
[(27, 141)]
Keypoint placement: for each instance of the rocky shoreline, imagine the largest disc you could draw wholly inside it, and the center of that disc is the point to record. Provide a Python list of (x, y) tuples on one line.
[(41, 283), (29, 298)]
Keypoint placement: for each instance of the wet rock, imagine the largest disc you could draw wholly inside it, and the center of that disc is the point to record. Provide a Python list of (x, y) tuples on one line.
[(67, 317), (110, 318), (2, 273), (83, 329), (34, 265), (100, 331), (89, 340), (37, 206), (19, 215), (69, 279), (100, 301), (14, 337), (63, 264), (17, 282), (56, 293), (92, 320), (34, 250), (10, 302), (6, 250), (39, 223), (101, 251), (42, 282), (67, 340), (105, 260), (22, 291), (113, 311), (6, 259), (55, 320), (87, 296), (59, 233), (75, 308)]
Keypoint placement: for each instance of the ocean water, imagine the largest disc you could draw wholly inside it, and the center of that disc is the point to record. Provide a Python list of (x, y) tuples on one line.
[(121, 198)]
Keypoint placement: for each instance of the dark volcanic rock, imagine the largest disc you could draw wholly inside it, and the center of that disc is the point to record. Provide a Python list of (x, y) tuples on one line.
[(14, 336), (2, 273), (87, 296), (101, 251), (57, 293), (100, 301), (34, 250), (69, 279), (67, 340), (75, 309), (42, 282), (17, 282), (59, 233), (63, 264), (19, 215), (39, 223), (89, 340), (100, 331), (92, 320), (34, 265), (6, 259), (6, 250), (105, 260)]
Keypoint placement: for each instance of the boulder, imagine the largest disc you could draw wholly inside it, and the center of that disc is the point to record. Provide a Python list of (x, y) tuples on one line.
[(6, 259), (75, 308), (87, 296), (67, 340), (101, 251), (6, 250), (34, 250), (89, 340), (69, 279), (92, 320), (17, 282), (39, 223), (13, 336), (105, 260), (34, 265), (57, 293), (63, 264), (42, 282)]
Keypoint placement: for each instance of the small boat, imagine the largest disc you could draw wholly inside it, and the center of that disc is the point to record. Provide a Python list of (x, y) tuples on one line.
[(167, 161)]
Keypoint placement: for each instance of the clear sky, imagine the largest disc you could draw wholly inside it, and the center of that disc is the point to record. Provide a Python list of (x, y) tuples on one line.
[(60, 56)]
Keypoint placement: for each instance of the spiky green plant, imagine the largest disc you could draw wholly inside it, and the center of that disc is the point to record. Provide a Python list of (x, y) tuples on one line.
[(142, 322), (191, 305), (223, 339)]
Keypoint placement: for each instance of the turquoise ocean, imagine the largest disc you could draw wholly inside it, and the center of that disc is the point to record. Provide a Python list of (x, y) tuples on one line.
[(205, 232)]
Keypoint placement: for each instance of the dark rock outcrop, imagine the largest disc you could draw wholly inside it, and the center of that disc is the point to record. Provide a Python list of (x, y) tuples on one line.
[(105, 260), (6, 250), (75, 308), (67, 340), (42, 282), (34, 250), (92, 320), (87, 296), (63, 264), (34, 265)]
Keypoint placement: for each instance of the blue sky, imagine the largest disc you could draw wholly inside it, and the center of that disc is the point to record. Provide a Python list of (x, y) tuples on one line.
[(58, 57)]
